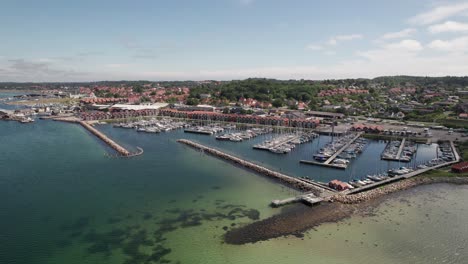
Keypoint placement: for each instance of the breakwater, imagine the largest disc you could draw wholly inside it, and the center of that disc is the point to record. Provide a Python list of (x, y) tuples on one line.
[(288, 180), (121, 150), (394, 187)]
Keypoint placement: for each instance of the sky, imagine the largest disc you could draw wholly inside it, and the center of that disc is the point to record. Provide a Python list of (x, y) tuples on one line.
[(89, 40)]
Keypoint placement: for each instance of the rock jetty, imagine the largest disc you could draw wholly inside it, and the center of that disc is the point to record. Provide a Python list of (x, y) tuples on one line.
[(394, 187), (287, 180), (121, 150)]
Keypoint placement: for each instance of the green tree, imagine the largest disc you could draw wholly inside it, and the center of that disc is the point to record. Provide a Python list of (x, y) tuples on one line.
[(277, 103), (193, 101)]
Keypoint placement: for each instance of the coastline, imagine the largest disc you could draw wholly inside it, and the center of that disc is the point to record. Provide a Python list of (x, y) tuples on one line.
[(297, 219)]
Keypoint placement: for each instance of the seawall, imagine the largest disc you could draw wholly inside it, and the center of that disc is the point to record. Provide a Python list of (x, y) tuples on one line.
[(121, 150), (287, 180)]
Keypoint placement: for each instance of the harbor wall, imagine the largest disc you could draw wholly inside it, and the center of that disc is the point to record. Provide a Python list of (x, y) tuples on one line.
[(121, 150), (288, 180)]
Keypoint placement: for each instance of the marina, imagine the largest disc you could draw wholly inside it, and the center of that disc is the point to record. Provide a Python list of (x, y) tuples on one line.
[(153, 125), (331, 151), (401, 151), (285, 143), (244, 135)]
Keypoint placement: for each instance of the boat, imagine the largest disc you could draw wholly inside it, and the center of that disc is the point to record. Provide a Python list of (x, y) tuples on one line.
[(321, 157)]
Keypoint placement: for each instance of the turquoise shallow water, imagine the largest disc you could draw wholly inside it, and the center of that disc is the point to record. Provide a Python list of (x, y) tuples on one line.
[(64, 201)]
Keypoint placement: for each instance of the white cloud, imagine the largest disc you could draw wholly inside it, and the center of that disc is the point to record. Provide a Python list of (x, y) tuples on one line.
[(335, 40), (400, 34), (405, 45), (314, 47), (455, 45), (439, 13), (448, 26)]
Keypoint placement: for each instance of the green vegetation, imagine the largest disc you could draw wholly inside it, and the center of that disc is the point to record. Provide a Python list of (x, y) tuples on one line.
[(443, 173), (463, 149), (454, 123), (265, 90)]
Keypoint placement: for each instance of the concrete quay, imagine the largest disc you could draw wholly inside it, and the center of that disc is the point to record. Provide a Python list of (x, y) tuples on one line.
[(287, 180)]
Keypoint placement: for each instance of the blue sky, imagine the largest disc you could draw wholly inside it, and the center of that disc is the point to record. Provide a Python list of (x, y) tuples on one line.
[(54, 40)]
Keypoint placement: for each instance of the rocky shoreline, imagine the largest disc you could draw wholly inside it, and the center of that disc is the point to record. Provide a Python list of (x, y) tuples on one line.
[(296, 219), (394, 187)]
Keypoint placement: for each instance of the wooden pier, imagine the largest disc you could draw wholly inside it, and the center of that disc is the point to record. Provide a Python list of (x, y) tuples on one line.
[(308, 198), (288, 180), (278, 203), (328, 163)]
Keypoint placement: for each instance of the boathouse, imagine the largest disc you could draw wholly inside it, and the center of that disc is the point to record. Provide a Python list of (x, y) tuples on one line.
[(338, 185), (460, 167)]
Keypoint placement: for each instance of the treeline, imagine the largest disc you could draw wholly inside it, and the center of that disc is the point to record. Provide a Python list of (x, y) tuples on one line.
[(447, 82), (265, 90)]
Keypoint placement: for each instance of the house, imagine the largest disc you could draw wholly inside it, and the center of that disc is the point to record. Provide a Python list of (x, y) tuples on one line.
[(328, 115), (367, 128), (460, 167), (463, 116), (338, 185)]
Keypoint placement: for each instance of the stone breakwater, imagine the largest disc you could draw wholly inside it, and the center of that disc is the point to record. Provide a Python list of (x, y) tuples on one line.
[(121, 150), (287, 180), (394, 187)]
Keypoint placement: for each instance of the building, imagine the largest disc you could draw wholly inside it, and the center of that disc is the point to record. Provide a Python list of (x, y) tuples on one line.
[(338, 185), (123, 107), (367, 128), (329, 115), (460, 167)]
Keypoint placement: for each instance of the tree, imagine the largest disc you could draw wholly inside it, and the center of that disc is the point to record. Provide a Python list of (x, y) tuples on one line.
[(193, 101), (138, 89), (171, 100), (277, 103)]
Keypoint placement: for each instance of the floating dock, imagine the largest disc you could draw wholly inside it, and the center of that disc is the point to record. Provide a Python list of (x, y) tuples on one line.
[(279, 143), (328, 163), (195, 131), (288, 180), (398, 155)]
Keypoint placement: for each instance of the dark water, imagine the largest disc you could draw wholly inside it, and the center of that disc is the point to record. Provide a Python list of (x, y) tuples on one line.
[(366, 163)]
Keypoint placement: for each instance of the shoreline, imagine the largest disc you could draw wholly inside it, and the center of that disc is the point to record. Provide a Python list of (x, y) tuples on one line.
[(297, 219)]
